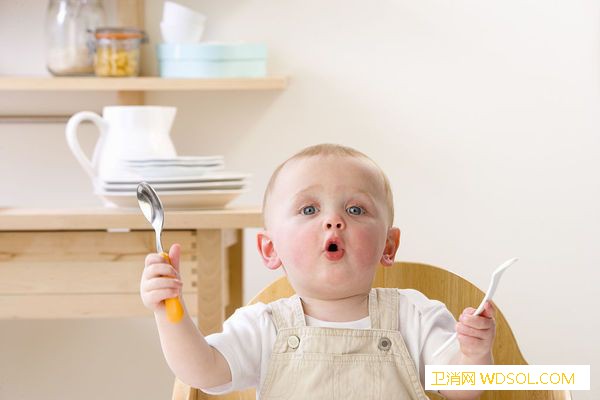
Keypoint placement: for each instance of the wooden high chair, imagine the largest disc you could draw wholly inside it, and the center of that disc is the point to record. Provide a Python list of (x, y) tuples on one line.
[(436, 283)]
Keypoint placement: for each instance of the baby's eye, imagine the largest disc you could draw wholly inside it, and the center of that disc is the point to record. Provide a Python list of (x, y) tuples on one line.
[(308, 210), (355, 210)]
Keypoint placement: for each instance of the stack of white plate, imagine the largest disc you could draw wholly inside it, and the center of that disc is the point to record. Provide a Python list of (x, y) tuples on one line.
[(181, 182), (176, 166)]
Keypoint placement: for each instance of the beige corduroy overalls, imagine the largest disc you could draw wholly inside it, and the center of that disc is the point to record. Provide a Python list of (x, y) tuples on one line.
[(333, 363)]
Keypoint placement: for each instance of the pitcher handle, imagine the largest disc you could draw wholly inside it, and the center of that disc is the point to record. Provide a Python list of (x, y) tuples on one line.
[(71, 132)]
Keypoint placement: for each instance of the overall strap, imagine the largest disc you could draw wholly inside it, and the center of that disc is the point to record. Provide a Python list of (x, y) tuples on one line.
[(288, 313), (383, 308)]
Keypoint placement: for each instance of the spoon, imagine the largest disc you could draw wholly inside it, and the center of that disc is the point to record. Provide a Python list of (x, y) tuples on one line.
[(153, 211), (488, 297)]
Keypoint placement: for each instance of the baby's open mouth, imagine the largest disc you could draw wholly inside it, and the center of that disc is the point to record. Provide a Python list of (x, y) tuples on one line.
[(334, 249)]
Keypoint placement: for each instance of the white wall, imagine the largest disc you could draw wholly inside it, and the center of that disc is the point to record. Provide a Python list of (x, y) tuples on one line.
[(483, 113)]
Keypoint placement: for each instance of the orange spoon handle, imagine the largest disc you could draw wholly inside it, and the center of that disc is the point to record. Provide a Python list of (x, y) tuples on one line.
[(173, 306)]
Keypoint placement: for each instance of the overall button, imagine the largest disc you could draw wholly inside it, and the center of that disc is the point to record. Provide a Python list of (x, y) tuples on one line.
[(384, 344), (293, 342)]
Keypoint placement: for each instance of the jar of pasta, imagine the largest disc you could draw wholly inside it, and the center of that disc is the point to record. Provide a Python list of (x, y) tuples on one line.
[(118, 51)]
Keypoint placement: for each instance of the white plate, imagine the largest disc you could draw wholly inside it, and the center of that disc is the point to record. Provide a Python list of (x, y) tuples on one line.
[(208, 177), (193, 199), (177, 160), (174, 162), (217, 185), (148, 172), (168, 165)]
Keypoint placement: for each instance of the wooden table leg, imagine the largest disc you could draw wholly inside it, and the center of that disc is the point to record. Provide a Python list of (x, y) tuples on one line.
[(211, 281)]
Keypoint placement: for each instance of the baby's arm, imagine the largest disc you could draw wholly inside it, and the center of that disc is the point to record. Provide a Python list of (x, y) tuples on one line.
[(186, 351), (476, 337)]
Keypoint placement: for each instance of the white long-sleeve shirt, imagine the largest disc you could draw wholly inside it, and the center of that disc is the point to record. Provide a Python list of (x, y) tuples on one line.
[(249, 335)]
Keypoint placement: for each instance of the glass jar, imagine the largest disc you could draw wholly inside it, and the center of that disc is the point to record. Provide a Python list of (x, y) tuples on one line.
[(69, 43), (118, 51)]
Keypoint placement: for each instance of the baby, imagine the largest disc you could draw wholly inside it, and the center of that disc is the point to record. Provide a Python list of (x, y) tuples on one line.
[(328, 214)]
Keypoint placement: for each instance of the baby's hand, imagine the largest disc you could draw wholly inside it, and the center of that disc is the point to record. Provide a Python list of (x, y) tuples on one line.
[(160, 281), (476, 333)]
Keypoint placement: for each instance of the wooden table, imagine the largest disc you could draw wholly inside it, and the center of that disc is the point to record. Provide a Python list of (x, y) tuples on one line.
[(86, 263)]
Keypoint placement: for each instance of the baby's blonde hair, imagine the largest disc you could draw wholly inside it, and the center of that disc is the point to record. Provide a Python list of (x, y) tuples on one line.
[(328, 149)]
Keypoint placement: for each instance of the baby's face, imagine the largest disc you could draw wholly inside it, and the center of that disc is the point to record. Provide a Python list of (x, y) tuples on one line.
[(328, 223)]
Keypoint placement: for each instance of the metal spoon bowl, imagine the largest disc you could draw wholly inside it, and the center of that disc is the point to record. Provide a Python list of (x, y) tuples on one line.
[(153, 210)]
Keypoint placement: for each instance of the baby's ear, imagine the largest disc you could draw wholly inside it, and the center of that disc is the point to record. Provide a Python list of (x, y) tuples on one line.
[(391, 246), (267, 250)]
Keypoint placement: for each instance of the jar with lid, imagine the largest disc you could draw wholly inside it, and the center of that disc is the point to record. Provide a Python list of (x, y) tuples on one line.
[(118, 51), (69, 49)]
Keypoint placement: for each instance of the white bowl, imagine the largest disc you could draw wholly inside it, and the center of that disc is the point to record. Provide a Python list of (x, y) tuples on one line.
[(174, 13), (181, 33)]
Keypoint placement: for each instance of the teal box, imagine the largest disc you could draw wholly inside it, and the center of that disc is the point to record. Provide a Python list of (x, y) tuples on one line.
[(212, 60)]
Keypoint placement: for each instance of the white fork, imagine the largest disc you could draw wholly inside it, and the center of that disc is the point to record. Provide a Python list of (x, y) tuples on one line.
[(488, 296)]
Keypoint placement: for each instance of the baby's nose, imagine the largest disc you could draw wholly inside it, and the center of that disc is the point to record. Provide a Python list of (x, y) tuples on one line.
[(334, 223)]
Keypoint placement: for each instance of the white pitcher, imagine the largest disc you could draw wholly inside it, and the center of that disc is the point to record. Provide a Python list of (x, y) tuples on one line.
[(126, 132)]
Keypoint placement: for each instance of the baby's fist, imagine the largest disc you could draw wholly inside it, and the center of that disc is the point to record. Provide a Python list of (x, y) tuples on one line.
[(476, 332), (160, 280)]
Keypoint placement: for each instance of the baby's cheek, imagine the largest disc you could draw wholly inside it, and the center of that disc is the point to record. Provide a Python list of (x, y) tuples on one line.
[(370, 245), (298, 246)]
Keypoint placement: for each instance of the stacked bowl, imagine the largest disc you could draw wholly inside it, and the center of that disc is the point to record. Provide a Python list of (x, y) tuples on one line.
[(181, 24)]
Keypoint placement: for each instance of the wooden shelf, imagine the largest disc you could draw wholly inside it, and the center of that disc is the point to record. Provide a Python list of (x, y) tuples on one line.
[(138, 84)]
